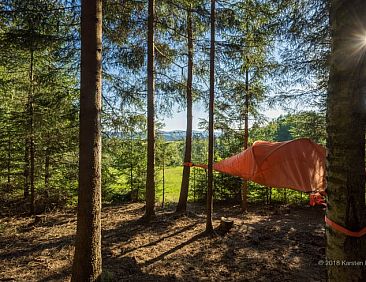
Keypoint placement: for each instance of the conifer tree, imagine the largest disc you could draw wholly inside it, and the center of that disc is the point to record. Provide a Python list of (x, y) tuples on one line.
[(87, 264)]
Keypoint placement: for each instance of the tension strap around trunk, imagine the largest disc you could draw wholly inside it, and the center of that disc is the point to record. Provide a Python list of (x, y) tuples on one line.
[(344, 230)]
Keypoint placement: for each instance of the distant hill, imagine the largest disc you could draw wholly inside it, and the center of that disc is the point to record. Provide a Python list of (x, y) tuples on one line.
[(175, 135)]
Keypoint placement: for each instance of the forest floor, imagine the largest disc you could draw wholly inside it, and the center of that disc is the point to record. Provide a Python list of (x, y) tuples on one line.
[(269, 243)]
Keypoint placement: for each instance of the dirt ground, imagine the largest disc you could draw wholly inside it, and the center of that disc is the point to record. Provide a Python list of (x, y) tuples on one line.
[(266, 244)]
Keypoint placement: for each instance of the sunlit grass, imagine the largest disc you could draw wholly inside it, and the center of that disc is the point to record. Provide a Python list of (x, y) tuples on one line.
[(173, 178)]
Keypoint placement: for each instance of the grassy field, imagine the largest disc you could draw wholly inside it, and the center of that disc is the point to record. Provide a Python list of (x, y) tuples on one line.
[(173, 178)]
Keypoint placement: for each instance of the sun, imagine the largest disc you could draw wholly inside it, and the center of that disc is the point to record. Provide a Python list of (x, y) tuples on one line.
[(360, 40), (356, 46)]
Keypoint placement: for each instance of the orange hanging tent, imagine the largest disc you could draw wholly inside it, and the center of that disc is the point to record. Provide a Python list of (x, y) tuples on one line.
[(297, 164)]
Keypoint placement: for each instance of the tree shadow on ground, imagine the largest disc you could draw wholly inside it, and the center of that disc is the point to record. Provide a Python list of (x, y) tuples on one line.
[(59, 275), (127, 229), (267, 243), (160, 239), (264, 244), (127, 269), (31, 250), (280, 246), (172, 250)]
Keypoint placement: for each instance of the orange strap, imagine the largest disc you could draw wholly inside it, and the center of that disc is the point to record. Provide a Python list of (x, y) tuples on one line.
[(317, 199), (196, 165), (343, 230)]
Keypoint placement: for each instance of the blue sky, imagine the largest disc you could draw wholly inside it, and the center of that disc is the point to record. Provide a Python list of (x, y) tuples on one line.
[(178, 120)]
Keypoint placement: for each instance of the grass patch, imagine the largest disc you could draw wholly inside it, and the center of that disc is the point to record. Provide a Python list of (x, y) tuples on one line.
[(173, 180)]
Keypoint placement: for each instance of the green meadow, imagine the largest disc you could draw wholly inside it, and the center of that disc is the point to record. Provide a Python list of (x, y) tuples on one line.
[(172, 182)]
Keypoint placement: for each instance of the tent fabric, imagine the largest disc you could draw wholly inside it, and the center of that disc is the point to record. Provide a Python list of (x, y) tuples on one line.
[(296, 164)]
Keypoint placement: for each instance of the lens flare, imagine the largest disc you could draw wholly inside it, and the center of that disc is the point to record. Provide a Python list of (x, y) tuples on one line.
[(360, 41), (355, 48)]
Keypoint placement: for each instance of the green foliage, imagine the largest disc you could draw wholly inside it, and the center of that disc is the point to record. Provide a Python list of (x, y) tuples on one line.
[(36, 69), (307, 124), (46, 33), (303, 53), (123, 167), (169, 153)]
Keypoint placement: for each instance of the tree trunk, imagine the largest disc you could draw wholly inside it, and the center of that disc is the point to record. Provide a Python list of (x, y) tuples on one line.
[(182, 204), (244, 187), (87, 264), (9, 158), (270, 195), (26, 169), (131, 160), (163, 201), (31, 131), (150, 172), (209, 227), (47, 169), (32, 161), (346, 140)]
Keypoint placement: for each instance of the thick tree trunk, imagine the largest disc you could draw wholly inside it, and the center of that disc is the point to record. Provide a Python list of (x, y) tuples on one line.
[(346, 140), (150, 172), (209, 226), (87, 264), (244, 187), (182, 204)]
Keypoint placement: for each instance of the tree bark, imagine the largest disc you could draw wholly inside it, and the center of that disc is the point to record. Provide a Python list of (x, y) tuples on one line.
[(87, 264), (47, 169), (163, 201), (9, 158), (150, 171), (209, 226), (131, 160), (26, 169), (346, 140), (244, 187), (31, 132), (182, 204)]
